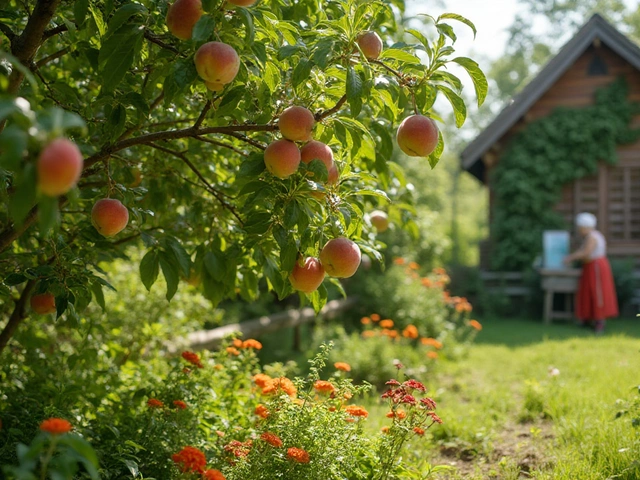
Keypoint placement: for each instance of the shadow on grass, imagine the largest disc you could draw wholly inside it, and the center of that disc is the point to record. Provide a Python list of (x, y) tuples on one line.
[(518, 332)]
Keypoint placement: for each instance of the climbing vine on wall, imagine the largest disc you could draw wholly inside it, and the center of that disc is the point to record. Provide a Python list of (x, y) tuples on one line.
[(551, 152)]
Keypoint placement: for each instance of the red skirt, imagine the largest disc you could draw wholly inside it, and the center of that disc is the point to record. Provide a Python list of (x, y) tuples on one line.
[(596, 298)]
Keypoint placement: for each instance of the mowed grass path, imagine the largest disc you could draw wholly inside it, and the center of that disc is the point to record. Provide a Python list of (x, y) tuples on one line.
[(507, 417)]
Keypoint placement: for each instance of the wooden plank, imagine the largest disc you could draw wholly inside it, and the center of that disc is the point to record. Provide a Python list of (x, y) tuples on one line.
[(602, 194), (501, 275), (210, 339), (627, 197)]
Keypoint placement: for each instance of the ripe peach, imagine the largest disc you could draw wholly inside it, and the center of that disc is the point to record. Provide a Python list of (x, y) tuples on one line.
[(109, 216), (282, 158), (296, 124), (340, 257), (217, 64), (242, 3), (371, 45), (182, 17), (417, 136), (315, 150), (43, 303), (334, 175), (308, 276), (214, 87), (379, 220), (59, 167)]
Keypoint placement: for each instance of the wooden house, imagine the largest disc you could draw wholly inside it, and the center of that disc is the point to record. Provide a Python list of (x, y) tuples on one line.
[(596, 56)]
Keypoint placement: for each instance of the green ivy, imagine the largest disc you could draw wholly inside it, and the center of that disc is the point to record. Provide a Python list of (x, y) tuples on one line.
[(550, 153)]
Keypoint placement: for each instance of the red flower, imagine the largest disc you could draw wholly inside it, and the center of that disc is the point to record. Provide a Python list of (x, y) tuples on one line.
[(414, 384), (261, 411), (192, 358), (55, 426), (213, 475), (475, 324), (154, 403), (180, 404), (418, 431), (238, 449), (298, 455), (190, 459), (262, 379), (410, 399), (356, 411), (428, 402), (272, 439), (393, 382), (435, 417)]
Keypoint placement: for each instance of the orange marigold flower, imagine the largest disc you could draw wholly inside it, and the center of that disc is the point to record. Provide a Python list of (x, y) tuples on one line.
[(298, 455), (186, 371), (261, 411), (386, 323), (233, 351), (345, 367), (426, 282), (368, 334), (323, 386), (192, 358), (375, 317), (220, 434), (332, 408), (239, 449), (282, 383), (190, 459), (262, 380), (365, 320), (357, 411), (411, 331), (154, 403), (431, 342), (252, 343), (237, 343), (432, 355), (399, 414), (399, 261), (55, 426), (414, 266), (180, 404), (218, 366), (384, 429), (272, 439), (439, 271), (418, 430), (213, 475), (475, 324)]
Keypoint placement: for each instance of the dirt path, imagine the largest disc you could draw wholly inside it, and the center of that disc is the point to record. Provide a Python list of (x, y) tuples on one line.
[(517, 450)]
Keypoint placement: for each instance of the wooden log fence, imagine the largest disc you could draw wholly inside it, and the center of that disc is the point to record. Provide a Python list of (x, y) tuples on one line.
[(211, 339)]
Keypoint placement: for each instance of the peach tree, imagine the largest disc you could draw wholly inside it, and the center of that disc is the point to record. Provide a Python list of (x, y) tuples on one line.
[(240, 144)]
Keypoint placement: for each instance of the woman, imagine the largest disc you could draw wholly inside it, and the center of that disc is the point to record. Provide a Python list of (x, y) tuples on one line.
[(596, 299)]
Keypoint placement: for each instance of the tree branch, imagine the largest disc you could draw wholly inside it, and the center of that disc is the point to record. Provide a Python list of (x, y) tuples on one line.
[(218, 195), (322, 115), (4, 28), (203, 114), (19, 313), (246, 139), (389, 69), (153, 39), (54, 31), (26, 45), (221, 144), (52, 57)]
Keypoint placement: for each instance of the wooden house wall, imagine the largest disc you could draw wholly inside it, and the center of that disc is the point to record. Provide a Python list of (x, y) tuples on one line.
[(614, 193)]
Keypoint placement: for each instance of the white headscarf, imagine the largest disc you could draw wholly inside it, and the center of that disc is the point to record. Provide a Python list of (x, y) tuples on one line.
[(586, 220)]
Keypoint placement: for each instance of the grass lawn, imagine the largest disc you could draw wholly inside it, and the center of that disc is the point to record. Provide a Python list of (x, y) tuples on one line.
[(507, 417)]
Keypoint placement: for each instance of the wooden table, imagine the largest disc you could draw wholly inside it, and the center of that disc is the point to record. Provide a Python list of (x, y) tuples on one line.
[(563, 281)]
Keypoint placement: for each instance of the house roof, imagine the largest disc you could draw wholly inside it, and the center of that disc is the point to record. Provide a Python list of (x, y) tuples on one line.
[(596, 27)]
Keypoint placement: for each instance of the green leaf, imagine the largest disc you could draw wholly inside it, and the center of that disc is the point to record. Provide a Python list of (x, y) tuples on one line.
[(48, 214), (247, 18), (149, 269), (354, 91), (271, 76), (98, 19), (477, 77), (85, 451), (13, 146), (25, 194), (323, 52), (319, 170), (288, 256), (80, 9), (117, 54), (98, 294), (215, 265), (62, 302), (170, 272), (423, 40), (123, 14), (14, 279), (21, 68), (258, 223), (319, 298), (209, 5), (459, 18), (459, 108), (203, 30), (182, 257), (400, 55), (446, 30), (434, 158), (373, 193), (301, 72)]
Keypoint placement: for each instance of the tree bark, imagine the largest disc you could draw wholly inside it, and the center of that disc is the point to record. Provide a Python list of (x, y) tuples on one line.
[(18, 314)]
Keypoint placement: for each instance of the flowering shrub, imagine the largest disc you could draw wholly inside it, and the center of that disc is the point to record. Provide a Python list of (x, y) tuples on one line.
[(220, 416)]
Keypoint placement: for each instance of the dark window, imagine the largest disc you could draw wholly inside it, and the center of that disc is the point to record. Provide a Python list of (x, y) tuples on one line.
[(597, 66)]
